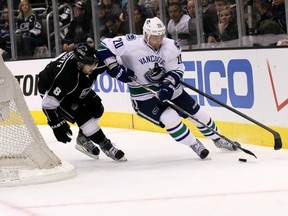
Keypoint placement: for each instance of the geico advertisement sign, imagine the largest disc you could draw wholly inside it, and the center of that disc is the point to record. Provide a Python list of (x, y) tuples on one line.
[(253, 81), (230, 84)]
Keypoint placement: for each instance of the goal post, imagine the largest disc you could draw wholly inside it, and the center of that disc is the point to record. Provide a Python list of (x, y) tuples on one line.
[(25, 158)]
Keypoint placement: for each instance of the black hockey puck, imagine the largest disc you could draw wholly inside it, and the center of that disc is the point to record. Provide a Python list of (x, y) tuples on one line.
[(242, 160)]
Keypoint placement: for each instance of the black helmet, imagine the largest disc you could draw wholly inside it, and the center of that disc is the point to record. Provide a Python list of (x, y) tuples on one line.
[(85, 54)]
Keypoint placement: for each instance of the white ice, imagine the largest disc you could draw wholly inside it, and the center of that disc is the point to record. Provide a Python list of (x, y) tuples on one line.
[(160, 178)]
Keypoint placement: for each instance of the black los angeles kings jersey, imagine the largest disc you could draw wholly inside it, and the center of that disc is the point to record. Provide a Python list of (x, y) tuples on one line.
[(61, 82)]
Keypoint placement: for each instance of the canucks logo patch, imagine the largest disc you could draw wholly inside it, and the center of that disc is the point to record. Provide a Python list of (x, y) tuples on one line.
[(130, 37), (155, 74)]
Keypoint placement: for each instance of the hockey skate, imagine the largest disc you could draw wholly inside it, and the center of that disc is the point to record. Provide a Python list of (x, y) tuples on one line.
[(224, 144), (200, 149), (86, 146), (112, 152)]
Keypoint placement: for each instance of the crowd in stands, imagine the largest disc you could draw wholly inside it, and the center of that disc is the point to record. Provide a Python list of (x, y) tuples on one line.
[(219, 26)]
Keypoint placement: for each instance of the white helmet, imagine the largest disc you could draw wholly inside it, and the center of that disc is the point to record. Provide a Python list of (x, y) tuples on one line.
[(153, 26)]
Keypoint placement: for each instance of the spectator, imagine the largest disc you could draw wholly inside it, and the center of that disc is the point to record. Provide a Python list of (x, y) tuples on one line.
[(220, 4), (192, 21), (124, 8), (142, 4), (139, 18), (183, 3), (177, 27), (4, 17), (79, 28), (210, 21), (278, 12), (102, 29), (228, 28), (5, 43), (115, 26), (28, 30), (265, 24), (101, 16), (191, 8), (151, 7), (64, 12), (111, 7)]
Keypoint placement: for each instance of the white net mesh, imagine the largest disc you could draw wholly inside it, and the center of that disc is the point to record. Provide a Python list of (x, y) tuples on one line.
[(24, 154)]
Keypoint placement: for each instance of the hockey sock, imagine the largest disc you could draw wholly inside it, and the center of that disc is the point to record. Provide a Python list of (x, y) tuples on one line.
[(176, 128), (204, 118), (98, 137), (182, 134)]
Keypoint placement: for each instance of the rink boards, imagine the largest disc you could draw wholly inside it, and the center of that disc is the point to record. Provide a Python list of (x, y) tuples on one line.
[(252, 81)]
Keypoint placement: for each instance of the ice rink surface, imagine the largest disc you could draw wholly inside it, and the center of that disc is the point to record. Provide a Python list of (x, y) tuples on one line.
[(161, 177)]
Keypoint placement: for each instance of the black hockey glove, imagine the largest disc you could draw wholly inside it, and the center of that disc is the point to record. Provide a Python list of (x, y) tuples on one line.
[(167, 87), (121, 73), (61, 130), (166, 91)]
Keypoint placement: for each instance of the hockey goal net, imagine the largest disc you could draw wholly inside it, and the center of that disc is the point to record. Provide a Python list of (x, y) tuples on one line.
[(25, 157)]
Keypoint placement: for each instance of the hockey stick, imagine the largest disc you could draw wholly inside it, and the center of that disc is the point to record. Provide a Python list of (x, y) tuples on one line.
[(234, 143), (276, 135)]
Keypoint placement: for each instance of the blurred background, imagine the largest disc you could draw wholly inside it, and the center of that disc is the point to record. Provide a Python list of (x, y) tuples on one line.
[(45, 28)]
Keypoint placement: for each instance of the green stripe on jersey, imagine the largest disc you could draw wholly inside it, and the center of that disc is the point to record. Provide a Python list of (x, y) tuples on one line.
[(140, 90)]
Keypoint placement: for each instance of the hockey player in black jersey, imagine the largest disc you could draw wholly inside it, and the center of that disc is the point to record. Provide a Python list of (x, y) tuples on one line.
[(65, 86)]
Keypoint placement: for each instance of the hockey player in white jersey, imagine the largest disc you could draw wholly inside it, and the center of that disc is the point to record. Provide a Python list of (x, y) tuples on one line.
[(155, 61)]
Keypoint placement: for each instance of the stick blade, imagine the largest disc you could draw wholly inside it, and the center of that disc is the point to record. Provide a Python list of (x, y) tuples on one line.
[(243, 149), (277, 143), (247, 151)]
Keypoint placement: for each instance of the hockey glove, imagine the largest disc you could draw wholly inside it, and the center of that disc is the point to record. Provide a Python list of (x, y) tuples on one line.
[(167, 87), (166, 91), (61, 130), (121, 73)]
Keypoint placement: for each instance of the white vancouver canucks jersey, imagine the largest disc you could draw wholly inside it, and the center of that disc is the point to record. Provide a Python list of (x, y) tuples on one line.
[(148, 65)]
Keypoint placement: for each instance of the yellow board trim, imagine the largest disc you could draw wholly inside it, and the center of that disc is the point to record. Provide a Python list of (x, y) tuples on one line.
[(243, 133)]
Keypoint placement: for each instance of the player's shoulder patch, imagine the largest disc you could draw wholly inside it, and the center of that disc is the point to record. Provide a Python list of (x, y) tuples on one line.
[(177, 45), (130, 37)]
